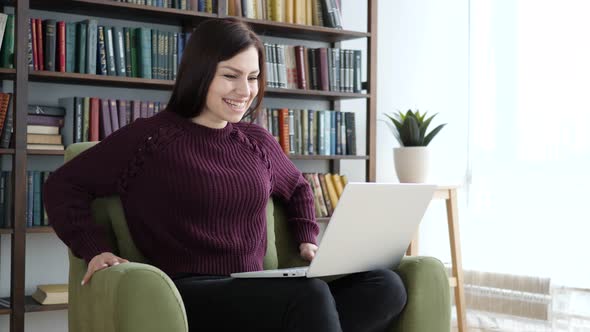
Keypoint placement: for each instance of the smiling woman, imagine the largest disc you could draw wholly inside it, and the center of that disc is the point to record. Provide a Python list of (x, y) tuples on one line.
[(194, 183), (217, 70)]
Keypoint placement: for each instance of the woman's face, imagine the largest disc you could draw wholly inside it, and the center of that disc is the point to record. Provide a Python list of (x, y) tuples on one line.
[(234, 87)]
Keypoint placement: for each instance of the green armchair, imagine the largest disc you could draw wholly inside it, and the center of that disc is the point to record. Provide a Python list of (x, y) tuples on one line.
[(139, 297)]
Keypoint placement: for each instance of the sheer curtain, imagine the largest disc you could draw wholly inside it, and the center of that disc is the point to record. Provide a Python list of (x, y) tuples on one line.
[(529, 163)]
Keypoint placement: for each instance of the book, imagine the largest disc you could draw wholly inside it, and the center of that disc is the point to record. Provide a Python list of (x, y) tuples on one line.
[(51, 294), (45, 147), (45, 130), (43, 139)]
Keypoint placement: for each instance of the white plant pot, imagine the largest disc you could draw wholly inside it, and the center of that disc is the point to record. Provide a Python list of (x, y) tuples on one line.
[(411, 163)]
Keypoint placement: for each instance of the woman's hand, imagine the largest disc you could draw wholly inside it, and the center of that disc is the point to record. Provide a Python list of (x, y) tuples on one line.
[(307, 251), (100, 262)]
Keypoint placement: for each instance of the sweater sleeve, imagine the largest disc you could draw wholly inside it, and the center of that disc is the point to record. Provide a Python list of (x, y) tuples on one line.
[(291, 188), (96, 172)]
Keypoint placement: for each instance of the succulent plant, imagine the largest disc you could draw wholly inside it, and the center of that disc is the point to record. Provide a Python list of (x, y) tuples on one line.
[(409, 128)]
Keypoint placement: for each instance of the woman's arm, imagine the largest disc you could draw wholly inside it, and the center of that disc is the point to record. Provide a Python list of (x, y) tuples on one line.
[(290, 187), (96, 172)]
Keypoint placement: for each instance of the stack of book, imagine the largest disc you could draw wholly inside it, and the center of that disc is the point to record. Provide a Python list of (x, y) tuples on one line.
[(43, 127), (87, 47), (327, 189), (325, 69), (35, 215), (310, 132), (308, 12)]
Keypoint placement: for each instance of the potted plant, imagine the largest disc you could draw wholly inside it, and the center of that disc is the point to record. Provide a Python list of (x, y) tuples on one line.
[(411, 159)]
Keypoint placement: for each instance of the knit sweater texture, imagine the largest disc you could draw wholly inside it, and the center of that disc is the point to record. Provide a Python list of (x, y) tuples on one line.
[(194, 197)]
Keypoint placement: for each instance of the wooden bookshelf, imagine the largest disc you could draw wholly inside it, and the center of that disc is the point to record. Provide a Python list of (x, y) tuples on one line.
[(150, 14), (21, 75)]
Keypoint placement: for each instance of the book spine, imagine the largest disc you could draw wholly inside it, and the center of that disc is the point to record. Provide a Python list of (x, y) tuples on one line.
[(91, 44), (101, 68), (49, 50), (61, 46), (81, 31)]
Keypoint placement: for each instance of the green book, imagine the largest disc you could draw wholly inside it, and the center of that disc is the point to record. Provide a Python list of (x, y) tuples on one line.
[(133, 45), (81, 30), (70, 47), (7, 50), (144, 48), (36, 198)]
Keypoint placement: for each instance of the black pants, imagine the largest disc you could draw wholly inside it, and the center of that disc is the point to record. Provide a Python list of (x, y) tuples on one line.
[(363, 302)]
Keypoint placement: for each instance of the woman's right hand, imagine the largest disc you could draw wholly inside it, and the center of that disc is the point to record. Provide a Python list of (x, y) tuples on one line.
[(100, 262)]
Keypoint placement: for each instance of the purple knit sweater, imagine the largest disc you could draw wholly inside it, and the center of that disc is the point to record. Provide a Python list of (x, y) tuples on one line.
[(194, 197)]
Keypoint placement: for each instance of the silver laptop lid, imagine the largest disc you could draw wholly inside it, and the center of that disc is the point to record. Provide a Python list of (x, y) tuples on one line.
[(371, 227)]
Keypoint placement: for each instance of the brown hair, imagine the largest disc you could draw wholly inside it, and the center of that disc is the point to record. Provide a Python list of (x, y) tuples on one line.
[(213, 41)]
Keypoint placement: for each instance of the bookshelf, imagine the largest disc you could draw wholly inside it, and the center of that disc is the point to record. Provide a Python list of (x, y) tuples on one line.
[(20, 303)]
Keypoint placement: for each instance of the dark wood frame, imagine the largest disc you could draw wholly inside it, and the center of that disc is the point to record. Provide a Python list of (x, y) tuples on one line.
[(20, 302)]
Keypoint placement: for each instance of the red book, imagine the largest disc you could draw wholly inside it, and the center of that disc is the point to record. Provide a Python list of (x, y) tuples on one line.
[(301, 70), (61, 47), (284, 129), (322, 68), (93, 128), (33, 24), (40, 43)]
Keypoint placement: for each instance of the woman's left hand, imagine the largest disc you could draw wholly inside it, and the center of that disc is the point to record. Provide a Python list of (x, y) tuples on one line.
[(307, 251)]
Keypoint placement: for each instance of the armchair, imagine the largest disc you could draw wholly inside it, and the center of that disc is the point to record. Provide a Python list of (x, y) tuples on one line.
[(138, 297)]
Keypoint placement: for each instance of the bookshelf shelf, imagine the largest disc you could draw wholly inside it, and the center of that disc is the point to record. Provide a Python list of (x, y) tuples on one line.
[(313, 94), (7, 74), (6, 231), (331, 157), (101, 80), (304, 32), (46, 152), (32, 306), (40, 229), (123, 11), (6, 151), (143, 83)]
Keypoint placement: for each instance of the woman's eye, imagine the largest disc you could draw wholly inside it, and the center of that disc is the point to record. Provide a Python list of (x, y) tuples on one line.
[(230, 76), (254, 78)]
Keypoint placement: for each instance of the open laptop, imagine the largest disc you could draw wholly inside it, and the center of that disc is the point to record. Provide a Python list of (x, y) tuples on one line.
[(371, 228)]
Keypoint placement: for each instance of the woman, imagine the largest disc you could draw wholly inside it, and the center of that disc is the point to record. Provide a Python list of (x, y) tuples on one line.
[(194, 183)]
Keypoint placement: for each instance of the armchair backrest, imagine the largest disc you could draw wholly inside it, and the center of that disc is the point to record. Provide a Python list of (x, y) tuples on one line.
[(108, 212)]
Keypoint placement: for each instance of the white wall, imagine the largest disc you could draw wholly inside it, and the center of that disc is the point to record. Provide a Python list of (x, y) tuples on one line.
[(423, 64)]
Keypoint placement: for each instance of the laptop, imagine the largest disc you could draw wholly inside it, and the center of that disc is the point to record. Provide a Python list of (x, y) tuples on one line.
[(371, 228)]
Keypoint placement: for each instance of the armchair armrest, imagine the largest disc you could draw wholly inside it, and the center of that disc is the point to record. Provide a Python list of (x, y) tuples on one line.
[(429, 301), (126, 298)]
